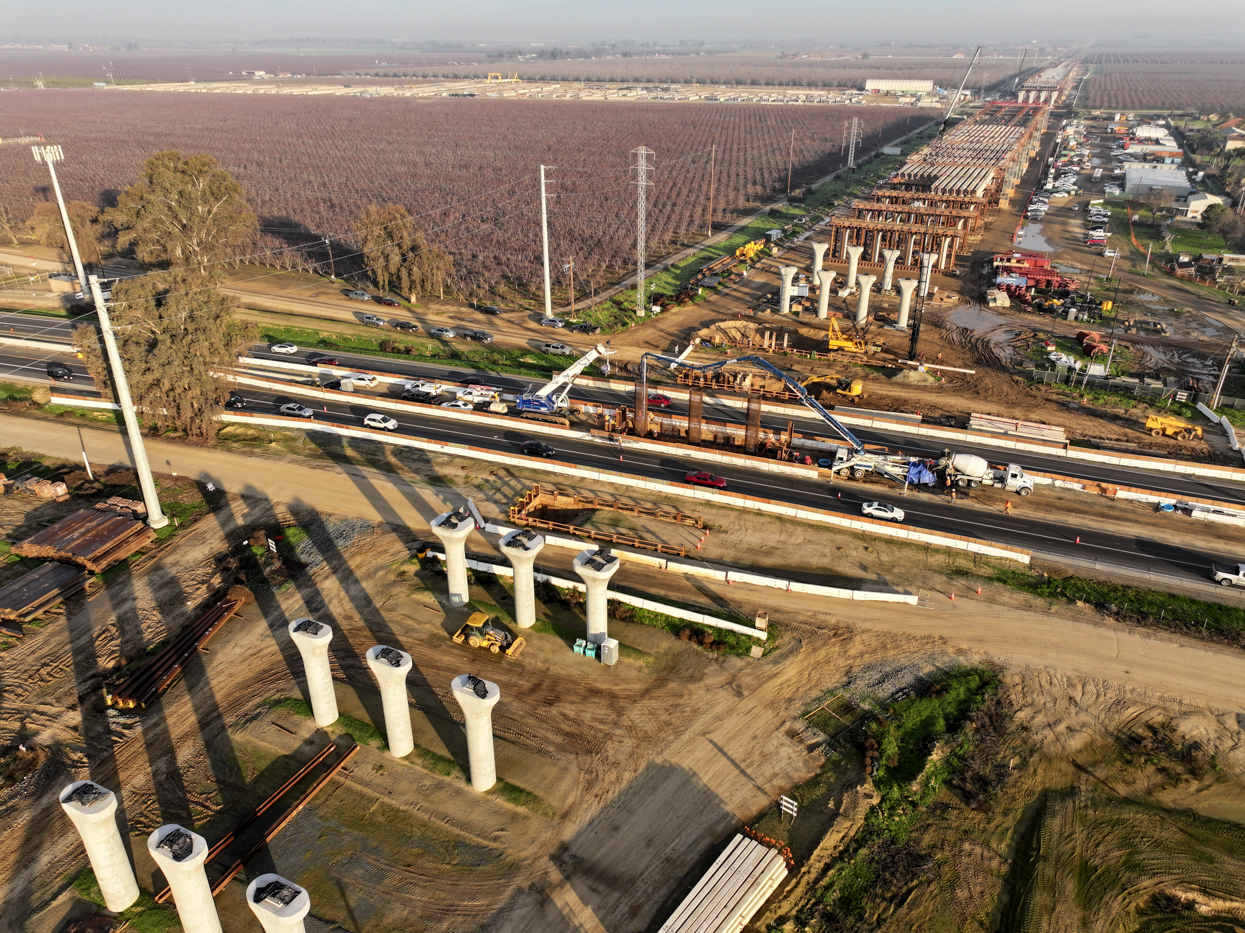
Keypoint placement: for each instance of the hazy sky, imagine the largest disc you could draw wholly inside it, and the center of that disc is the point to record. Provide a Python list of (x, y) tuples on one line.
[(960, 21)]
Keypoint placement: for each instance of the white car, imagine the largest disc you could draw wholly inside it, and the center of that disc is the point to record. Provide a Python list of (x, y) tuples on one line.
[(1111, 253), (882, 510), (288, 349), (459, 404), (474, 394), (383, 422), (444, 333), (554, 322), (421, 385), (295, 410), (558, 349), (363, 379)]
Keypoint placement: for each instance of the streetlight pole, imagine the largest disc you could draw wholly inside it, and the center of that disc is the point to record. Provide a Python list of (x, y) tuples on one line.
[(155, 517), (51, 155), (544, 235), (332, 265)]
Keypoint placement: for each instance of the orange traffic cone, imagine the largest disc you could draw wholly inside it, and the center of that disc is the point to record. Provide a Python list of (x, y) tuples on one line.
[(952, 597), (1078, 539)]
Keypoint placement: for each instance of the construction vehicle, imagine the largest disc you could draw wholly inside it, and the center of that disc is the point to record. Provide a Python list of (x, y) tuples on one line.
[(1159, 426), (841, 341), (543, 404), (479, 632), (749, 251), (853, 389), (971, 471)]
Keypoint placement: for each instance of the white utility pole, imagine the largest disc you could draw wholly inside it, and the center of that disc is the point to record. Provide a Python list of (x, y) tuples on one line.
[(1223, 373), (642, 170), (52, 155), (155, 517), (544, 233)]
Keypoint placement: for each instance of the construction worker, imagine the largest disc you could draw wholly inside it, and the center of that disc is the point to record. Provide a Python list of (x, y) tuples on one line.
[(1007, 507), (952, 495)]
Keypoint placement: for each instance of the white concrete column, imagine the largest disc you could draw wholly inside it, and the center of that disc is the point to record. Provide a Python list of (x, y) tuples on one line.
[(942, 252), (390, 667), (521, 548), (906, 288), (312, 640), (180, 855), (596, 567), (927, 267), (853, 259), (452, 528), (888, 271), (909, 251), (93, 811), (825, 280), (477, 697), (784, 297), (862, 302), (877, 245), (278, 905), (819, 256)]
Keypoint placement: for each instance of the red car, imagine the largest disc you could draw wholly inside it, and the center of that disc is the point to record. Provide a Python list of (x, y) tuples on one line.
[(388, 302), (660, 401), (705, 478)]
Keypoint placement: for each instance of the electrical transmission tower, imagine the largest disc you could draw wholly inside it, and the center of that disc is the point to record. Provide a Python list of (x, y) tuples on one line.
[(642, 182), (854, 137)]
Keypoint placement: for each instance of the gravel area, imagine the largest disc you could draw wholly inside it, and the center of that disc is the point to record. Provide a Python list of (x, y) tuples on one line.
[(332, 535)]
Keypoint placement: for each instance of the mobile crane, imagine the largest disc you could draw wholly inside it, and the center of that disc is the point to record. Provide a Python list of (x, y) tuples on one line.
[(543, 404)]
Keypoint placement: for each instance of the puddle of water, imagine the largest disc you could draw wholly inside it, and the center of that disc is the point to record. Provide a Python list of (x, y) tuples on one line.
[(975, 317), (1146, 296), (1032, 240)]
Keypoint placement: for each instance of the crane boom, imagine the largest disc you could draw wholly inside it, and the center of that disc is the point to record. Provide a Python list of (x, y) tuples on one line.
[(956, 99), (552, 395)]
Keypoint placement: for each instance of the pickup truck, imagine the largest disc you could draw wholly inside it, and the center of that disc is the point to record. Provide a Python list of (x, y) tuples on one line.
[(1231, 575)]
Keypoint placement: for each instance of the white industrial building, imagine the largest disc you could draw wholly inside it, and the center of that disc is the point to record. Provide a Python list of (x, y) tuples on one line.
[(898, 86), (1141, 178), (1198, 203)]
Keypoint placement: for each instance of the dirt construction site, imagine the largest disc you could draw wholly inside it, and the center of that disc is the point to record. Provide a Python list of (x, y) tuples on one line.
[(617, 786)]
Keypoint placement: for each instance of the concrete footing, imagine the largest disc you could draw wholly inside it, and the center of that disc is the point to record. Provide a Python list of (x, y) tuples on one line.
[(452, 528), (390, 667), (595, 567), (93, 812), (312, 640), (477, 697), (862, 302), (521, 548), (180, 854), (279, 905)]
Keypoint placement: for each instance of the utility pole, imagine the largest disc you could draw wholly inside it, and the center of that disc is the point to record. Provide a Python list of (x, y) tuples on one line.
[(642, 170), (155, 517), (855, 138), (790, 162), (1223, 373), (570, 267), (544, 234), (1149, 246), (713, 151), (51, 155), (332, 265)]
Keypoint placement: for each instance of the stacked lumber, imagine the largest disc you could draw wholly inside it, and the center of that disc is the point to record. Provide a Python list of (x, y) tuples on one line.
[(42, 489), (42, 588), (124, 506), (91, 538), (143, 686)]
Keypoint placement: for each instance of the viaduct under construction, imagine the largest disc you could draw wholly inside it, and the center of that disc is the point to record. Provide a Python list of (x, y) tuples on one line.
[(939, 199)]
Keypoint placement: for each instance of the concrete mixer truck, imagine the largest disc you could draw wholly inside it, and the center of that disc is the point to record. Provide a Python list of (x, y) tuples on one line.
[(971, 471)]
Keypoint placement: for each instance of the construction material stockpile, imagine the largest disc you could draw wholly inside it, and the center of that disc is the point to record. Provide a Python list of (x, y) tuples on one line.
[(143, 686), (32, 593), (91, 538)]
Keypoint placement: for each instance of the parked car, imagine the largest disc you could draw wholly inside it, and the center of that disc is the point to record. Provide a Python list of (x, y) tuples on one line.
[(443, 333), (470, 380), (59, 373), (558, 349), (295, 410), (424, 398), (363, 379), (554, 322), (325, 361), (288, 349), (883, 510), (705, 478), (660, 401), (371, 320), (536, 449), (491, 310), (235, 402), (583, 327), (410, 326), (382, 422), (1111, 253), (459, 404), (331, 384), (388, 302), (480, 336), (359, 295)]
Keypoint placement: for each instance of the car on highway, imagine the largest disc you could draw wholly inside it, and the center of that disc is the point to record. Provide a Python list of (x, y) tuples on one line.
[(59, 373), (537, 449), (424, 398), (331, 384), (558, 349), (660, 401), (479, 336), (583, 327), (388, 302), (491, 310), (459, 404), (359, 295), (554, 322), (325, 361), (409, 326), (371, 320), (882, 510), (235, 402), (295, 410), (381, 422), (470, 380), (705, 478), (421, 385), (477, 393), (286, 349), (363, 379), (444, 333)]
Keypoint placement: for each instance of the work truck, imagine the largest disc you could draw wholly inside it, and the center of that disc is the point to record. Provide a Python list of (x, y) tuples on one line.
[(968, 471), (1228, 574)]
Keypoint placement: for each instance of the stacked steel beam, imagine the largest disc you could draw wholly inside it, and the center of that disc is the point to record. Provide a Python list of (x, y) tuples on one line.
[(142, 687), (90, 538), (42, 588)]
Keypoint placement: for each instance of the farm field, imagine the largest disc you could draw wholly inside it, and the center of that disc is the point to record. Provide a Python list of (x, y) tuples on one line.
[(1205, 81), (467, 170)]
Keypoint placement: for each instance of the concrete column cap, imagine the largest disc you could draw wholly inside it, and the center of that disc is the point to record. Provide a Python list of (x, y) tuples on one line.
[(522, 541), (261, 896), (166, 855), (464, 692), (94, 801), (310, 631), (385, 662)]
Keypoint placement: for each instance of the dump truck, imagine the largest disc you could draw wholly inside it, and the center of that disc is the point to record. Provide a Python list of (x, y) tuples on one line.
[(479, 632), (1172, 427), (1228, 575), (970, 470)]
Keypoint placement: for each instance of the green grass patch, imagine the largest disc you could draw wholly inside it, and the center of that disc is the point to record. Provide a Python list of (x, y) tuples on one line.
[(362, 732), (517, 796), (61, 313), (12, 392), (181, 515), (93, 415), (437, 764), (145, 916), (1166, 609), (294, 535)]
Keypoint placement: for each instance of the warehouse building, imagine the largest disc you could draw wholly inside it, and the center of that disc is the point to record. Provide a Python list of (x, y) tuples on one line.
[(898, 86), (1143, 178)]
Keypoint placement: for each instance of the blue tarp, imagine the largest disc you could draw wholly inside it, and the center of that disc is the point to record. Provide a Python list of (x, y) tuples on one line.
[(920, 475)]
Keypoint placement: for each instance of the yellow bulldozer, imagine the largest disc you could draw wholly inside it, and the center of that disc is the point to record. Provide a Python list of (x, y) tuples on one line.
[(853, 389), (1172, 427), (479, 632)]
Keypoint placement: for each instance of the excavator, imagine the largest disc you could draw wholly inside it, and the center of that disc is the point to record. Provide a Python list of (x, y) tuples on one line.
[(853, 389)]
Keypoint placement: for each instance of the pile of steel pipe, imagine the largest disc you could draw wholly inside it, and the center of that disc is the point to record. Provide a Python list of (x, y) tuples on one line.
[(143, 686)]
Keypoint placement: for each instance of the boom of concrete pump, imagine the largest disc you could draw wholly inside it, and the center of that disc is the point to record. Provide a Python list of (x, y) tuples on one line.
[(552, 397)]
